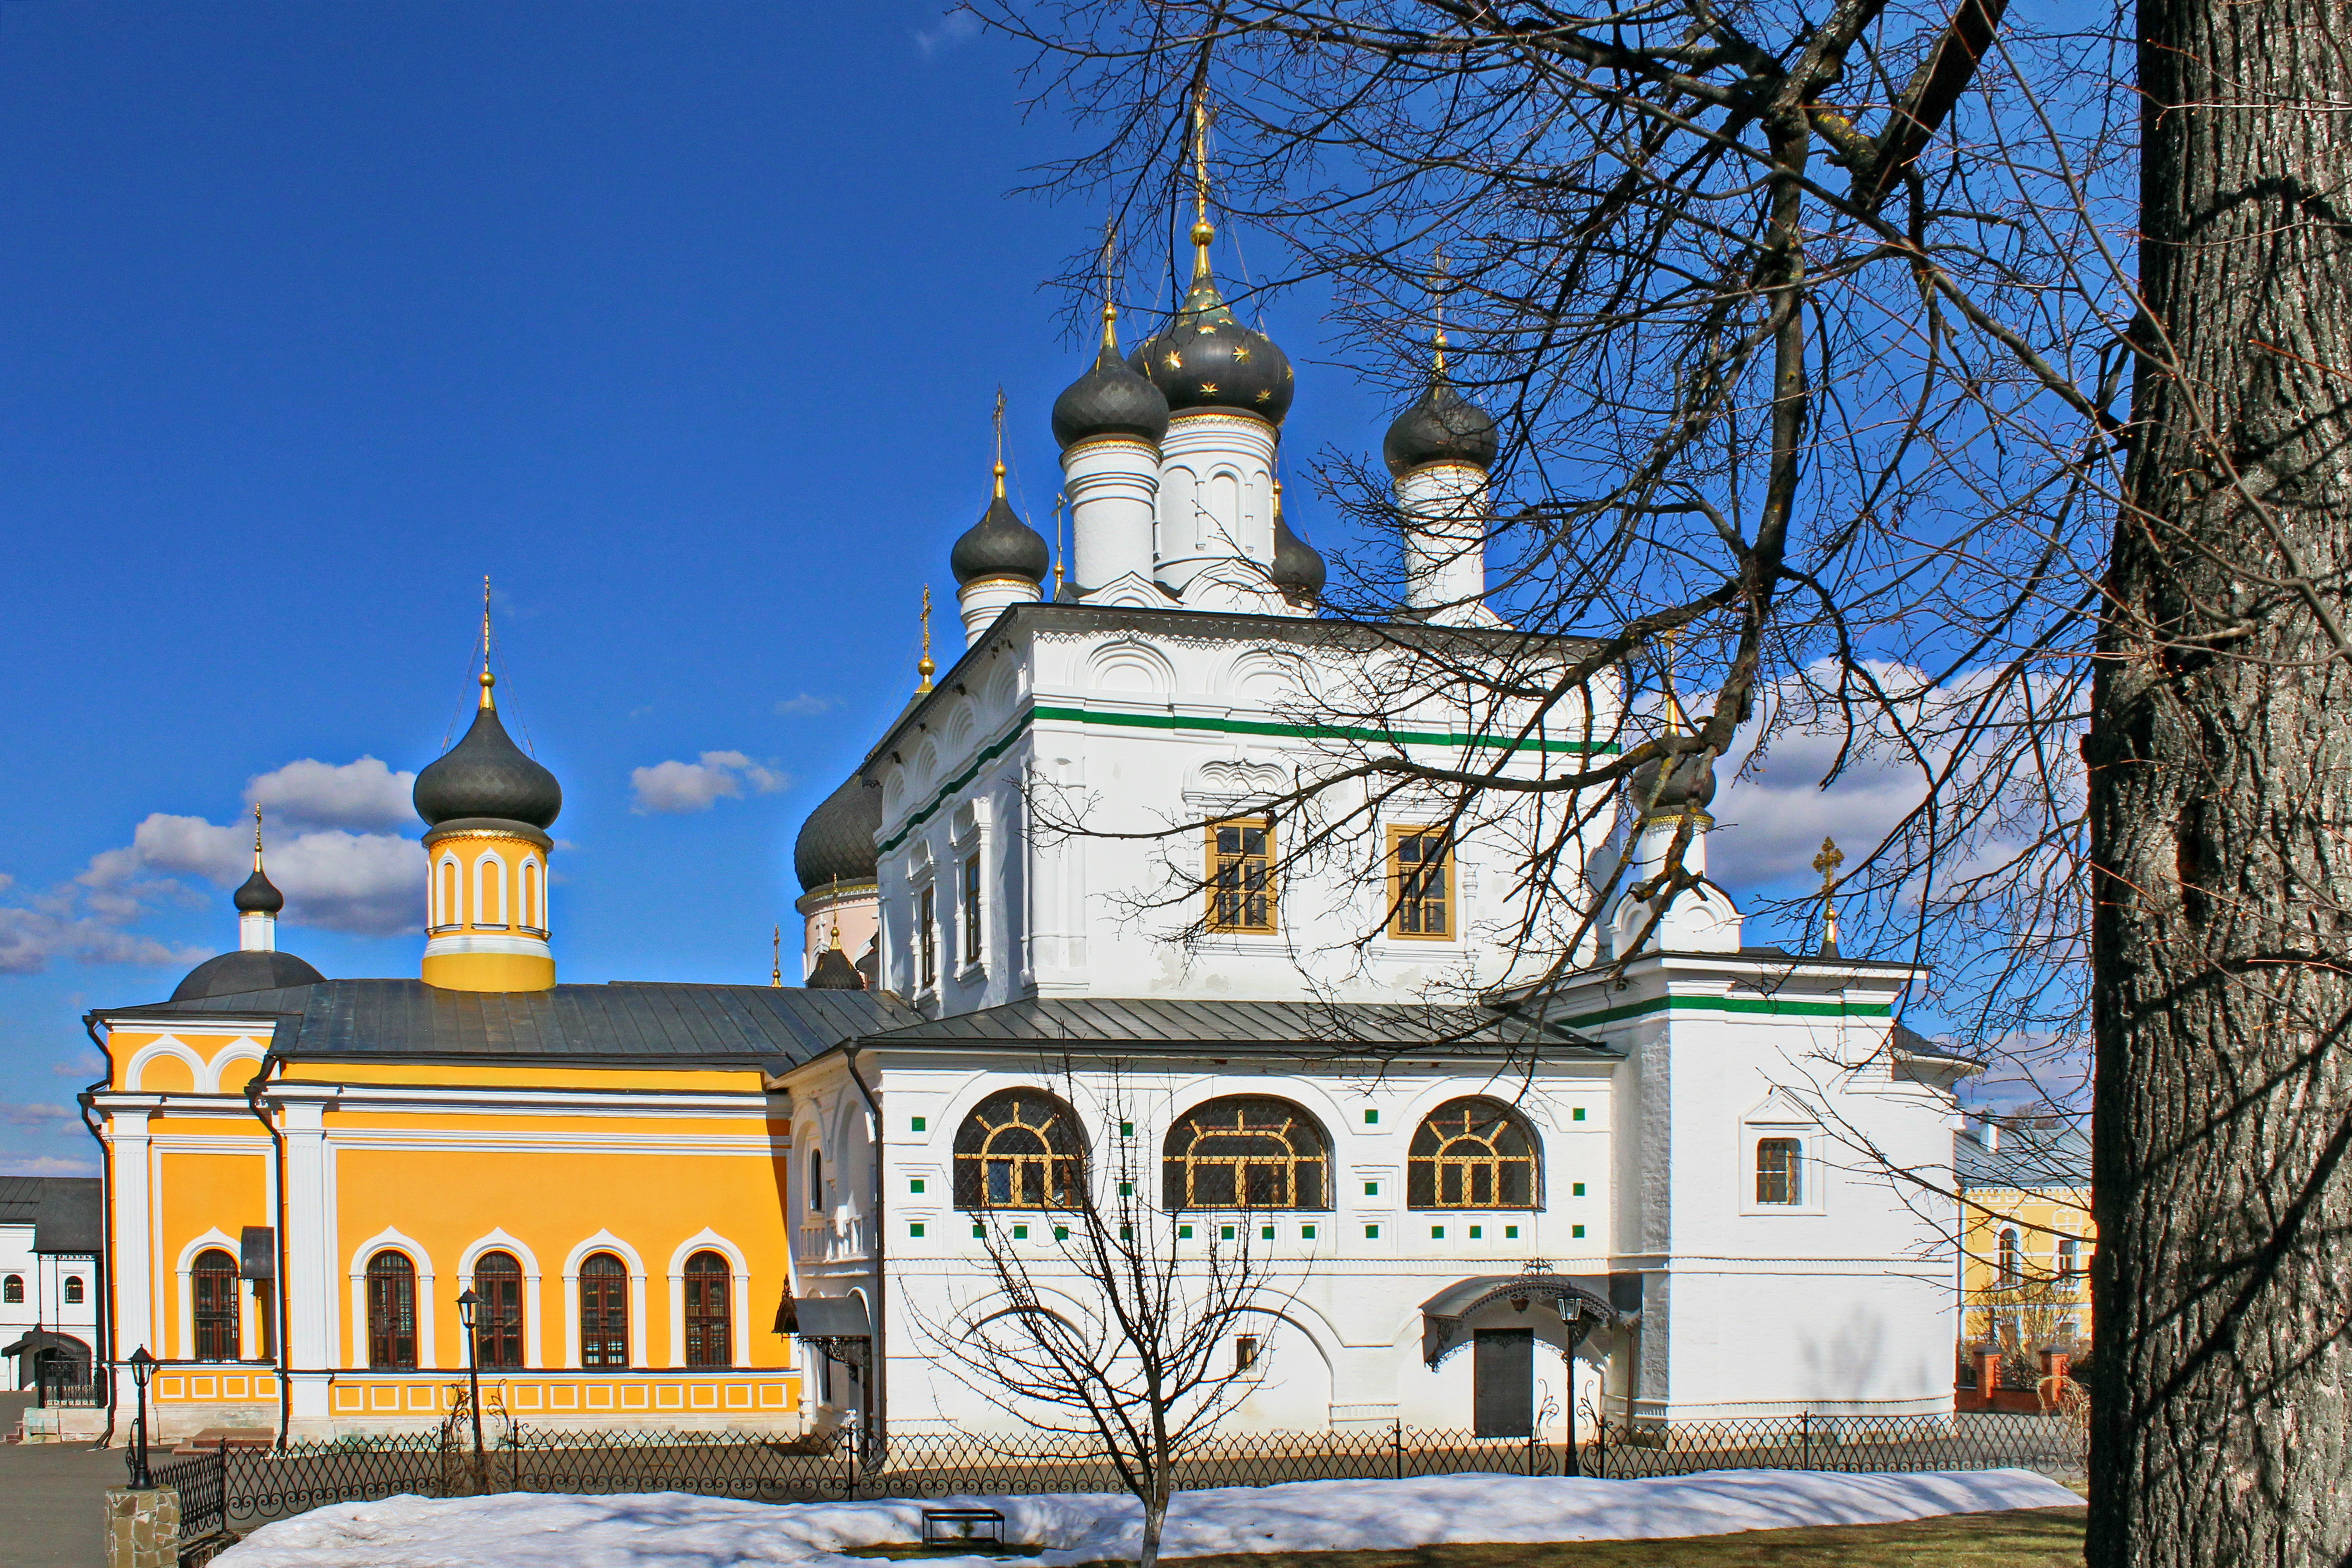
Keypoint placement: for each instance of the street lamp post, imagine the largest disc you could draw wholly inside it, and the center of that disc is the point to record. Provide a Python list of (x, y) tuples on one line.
[(468, 1309), (143, 1367)]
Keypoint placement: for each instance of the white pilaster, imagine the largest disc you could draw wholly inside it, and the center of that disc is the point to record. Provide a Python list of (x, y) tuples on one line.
[(1216, 495), (133, 1274), (1445, 508), (311, 1339), (256, 931), (1113, 483)]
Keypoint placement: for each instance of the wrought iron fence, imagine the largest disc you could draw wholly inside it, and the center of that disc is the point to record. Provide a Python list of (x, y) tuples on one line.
[(201, 1480), (69, 1384), (261, 1484)]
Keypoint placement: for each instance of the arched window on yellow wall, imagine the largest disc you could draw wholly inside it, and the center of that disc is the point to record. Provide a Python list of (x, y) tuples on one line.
[(490, 891), (603, 1310), (392, 1313), (708, 1340), (498, 1320), (531, 916), (214, 1281), (448, 914)]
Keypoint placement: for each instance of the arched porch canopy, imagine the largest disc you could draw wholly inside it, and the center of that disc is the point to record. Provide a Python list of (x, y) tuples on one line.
[(1581, 1300)]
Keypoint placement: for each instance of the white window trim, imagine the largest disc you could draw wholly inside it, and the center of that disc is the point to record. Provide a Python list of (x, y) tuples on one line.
[(604, 1241), (739, 1320), (531, 893), (498, 1240), (186, 1271), (427, 1351), (449, 905), (483, 883), (1809, 1172)]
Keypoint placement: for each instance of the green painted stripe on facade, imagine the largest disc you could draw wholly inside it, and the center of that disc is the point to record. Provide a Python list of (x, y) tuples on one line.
[(1771, 1006), (1225, 726)]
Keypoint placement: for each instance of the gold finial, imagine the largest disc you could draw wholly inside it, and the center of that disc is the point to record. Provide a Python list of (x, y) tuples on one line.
[(1203, 230), (834, 909), (776, 961), (1437, 283), (1827, 863), (1061, 507), (923, 665), (1111, 307), (488, 679), (256, 838), (999, 443)]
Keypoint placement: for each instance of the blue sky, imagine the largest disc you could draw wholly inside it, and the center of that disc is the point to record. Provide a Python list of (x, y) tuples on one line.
[(681, 322)]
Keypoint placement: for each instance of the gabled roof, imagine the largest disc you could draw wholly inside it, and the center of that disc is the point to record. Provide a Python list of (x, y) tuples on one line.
[(1385, 1029), (2024, 1157), (625, 1024), (65, 1212)]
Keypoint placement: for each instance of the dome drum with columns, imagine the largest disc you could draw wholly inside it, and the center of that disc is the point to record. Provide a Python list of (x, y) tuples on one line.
[(488, 806)]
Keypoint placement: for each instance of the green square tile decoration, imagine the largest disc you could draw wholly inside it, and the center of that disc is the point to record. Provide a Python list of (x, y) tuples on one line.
[(1371, 1233), (1577, 1114), (916, 1228), (1126, 1129), (1224, 1232), (1265, 1233), (1510, 1233), (1477, 1233), (1577, 1231), (1372, 1189), (915, 1186), (920, 1125), (1576, 1190), (1020, 1233), (1184, 1233), (1437, 1233), (979, 1233), (1307, 1232), (1371, 1117), (1061, 1233)]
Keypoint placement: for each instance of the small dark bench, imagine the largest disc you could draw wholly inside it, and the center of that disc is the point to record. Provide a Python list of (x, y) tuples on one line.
[(953, 1526)]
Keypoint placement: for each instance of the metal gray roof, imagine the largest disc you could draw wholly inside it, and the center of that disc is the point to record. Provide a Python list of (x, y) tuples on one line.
[(65, 1212), (2025, 1157), (1282, 1028), (633, 1022)]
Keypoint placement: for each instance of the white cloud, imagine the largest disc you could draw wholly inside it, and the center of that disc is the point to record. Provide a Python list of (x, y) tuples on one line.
[(36, 1115), (31, 939), (370, 884), (803, 706), (44, 1165), (364, 797), (954, 25), (1775, 818), (676, 786)]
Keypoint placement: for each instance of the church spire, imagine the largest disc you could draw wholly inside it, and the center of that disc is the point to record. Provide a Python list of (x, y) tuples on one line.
[(258, 903)]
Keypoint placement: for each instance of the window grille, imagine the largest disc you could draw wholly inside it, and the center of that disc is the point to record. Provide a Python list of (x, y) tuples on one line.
[(1473, 1153), (708, 1342), (1246, 1152), (1241, 875), (927, 938), (1020, 1149), (11, 1290), (603, 1310), (214, 1281), (1421, 902), (1780, 1171), (392, 1313), (2010, 1264), (498, 1320)]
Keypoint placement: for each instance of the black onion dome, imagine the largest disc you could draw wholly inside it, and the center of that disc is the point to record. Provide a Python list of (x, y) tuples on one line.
[(259, 896), (836, 842), (486, 774), (1205, 358), (1691, 784), (834, 972), (235, 973), (1111, 399), (1298, 568), (1443, 427), (1000, 545)]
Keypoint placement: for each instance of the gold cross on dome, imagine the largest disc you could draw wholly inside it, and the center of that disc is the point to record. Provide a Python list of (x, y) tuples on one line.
[(1827, 863)]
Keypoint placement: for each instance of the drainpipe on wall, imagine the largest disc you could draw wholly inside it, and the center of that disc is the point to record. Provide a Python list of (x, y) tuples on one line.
[(105, 1319), (276, 1287), (877, 1393)]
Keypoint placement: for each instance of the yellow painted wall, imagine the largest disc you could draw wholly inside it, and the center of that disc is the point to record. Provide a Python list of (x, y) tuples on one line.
[(197, 1193), (166, 1074), (2040, 1217), (552, 1202)]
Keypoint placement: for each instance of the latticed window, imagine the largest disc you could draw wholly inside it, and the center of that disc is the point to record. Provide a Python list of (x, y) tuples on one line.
[(971, 890), (392, 1313), (603, 1310), (708, 1340), (1473, 1153), (1246, 1151), (214, 1281), (1020, 1149), (11, 1290), (1420, 884), (927, 937), (2010, 1262), (498, 1320), (73, 1289), (1240, 874), (1780, 1171)]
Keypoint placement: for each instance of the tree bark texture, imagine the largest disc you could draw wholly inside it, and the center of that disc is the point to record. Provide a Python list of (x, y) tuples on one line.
[(2220, 754)]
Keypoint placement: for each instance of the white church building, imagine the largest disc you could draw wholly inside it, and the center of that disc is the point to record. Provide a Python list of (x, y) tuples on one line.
[(1086, 856)]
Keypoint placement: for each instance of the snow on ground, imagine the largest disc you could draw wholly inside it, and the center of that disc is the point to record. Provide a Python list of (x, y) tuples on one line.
[(674, 1529)]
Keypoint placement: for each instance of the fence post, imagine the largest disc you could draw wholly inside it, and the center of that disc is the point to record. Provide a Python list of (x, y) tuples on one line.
[(1805, 1422), (1396, 1445)]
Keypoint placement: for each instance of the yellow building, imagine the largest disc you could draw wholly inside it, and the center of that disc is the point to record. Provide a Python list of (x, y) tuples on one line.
[(304, 1176), (2027, 1235)]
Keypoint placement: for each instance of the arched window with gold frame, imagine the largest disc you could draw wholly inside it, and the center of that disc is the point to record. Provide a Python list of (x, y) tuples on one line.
[(1475, 1153), (1020, 1149), (1246, 1151)]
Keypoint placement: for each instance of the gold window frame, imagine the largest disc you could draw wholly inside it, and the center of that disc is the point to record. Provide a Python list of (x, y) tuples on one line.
[(1409, 900), (1233, 898)]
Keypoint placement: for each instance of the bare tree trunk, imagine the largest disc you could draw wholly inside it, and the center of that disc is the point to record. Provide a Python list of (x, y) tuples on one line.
[(2221, 794)]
